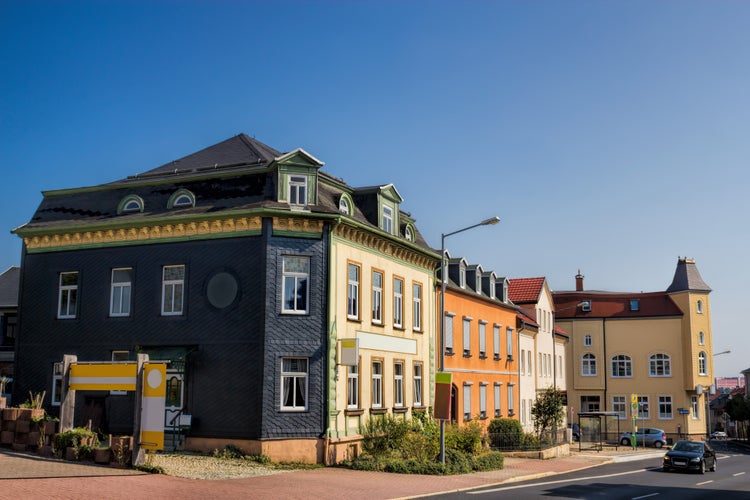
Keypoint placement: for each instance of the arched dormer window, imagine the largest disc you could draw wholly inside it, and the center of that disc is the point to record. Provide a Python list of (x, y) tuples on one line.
[(181, 198), (409, 232), (345, 204), (130, 204)]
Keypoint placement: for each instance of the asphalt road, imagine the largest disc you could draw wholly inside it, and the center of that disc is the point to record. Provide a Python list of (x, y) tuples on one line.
[(635, 480)]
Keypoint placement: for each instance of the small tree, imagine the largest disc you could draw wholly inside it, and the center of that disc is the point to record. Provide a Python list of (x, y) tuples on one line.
[(738, 409), (547, 410)]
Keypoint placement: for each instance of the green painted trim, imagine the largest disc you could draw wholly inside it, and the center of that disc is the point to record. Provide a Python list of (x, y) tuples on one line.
[(127, 199), (176, 239), (180, 192)]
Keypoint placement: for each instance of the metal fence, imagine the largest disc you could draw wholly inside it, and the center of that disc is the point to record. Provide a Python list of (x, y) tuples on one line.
[(519, 441)]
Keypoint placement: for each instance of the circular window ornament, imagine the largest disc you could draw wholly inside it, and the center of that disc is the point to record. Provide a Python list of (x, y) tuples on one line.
[(222, 290)]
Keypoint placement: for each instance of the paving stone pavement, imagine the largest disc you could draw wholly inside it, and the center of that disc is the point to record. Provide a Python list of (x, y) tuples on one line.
[(29, 476)]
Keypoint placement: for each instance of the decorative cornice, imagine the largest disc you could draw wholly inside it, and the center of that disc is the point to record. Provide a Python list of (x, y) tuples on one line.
[(378, 243), (142, 234), (297, 225)]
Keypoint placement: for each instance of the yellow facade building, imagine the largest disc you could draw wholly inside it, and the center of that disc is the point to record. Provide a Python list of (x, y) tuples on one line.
[(652, 348)]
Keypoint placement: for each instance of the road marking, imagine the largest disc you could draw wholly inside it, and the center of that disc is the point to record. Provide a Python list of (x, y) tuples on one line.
[(704, 482), (644, 496), (738, 474), (589, 478)]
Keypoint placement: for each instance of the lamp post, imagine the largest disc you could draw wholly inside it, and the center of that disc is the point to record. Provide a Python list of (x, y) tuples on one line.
[(487, 222), (711, 391)]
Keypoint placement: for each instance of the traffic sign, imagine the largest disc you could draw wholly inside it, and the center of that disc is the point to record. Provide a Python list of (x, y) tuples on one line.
[(634, 398)]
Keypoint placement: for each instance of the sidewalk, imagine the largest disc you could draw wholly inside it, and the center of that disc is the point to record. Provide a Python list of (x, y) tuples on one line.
[(24, 478)]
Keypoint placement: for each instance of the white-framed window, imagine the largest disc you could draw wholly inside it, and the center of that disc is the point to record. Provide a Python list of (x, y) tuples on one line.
[(449, 333), (182, 201), (352, 387), (297, 190), (619, 405), (492, 287), (643, 410), (68, 295), (483, 400), (417, 306), (702, 363), (665, 408), (699, 307), (467, 402), (377, 297), (352, 291), (294, 384), (377, 385), (701, 338), (482, 339), (462, 275), (694, 407), (398, 384), (511, 404), (588, 365), (467, 336), (478, 280), (523, 412), (540, 366), (498, 403), (173, 288), (418, 385), (586, 306), (408, 233), (523, 361), (496, 342), (398, 302), (590, 403), (387, 222), (587, 340), (659, 365), (622, 366), (509, 341), (529, 367), (344, 206), (120, 291), (57, 382), (295, 288)]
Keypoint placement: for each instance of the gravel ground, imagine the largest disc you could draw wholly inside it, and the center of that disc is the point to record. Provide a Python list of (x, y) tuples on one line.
[(194, 466)]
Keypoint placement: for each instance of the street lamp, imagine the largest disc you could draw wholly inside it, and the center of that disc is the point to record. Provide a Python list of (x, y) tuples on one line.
[(443, 278), (711, 391)]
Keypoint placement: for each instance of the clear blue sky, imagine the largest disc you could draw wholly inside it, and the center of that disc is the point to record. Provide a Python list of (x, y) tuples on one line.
[(608, 136)]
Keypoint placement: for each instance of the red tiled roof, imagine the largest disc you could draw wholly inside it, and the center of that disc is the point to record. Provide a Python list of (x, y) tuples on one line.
[(614, 305), (525, 289)]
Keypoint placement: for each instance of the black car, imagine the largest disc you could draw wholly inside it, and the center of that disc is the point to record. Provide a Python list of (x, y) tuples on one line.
[(690, 455)]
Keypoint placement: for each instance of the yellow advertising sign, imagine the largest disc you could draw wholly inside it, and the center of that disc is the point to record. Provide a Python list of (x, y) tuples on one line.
[(103, 376)]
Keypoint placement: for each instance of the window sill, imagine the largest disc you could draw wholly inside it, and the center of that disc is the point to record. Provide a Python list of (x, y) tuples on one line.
[(378, 411), (449, 352), (378, 324), (482, 356), (496, 358), (483, 417), (467, 354), (400, 409), (399, 328), (418, 408), (354, 412), (353, 320), (415, 330)]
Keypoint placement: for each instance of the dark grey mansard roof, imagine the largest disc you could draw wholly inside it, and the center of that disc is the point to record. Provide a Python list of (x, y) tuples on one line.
[(237, 151), (9, 287), (687, 278)]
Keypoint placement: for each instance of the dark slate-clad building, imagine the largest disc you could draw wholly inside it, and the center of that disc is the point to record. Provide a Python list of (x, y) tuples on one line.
[(217, 263)]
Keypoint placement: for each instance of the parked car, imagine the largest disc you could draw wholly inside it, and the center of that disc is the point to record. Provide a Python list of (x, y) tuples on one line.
[(690, 455), (646, 436), (718, 435)]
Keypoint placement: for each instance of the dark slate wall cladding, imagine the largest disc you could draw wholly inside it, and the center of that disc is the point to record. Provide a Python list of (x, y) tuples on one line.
[(295, 336), (224, 373)]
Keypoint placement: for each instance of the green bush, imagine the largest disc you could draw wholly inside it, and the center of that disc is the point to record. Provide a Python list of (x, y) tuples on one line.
[(493, 460), (74, 437), (457, 462), (505, 433), (229, 451), (530, 442), (466, 438), (383, 436)]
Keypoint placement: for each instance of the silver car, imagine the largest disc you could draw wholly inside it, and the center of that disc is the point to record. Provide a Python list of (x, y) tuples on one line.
[(646, 436)]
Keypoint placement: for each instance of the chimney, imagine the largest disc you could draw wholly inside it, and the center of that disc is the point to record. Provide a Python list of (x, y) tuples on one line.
[(579, 281)]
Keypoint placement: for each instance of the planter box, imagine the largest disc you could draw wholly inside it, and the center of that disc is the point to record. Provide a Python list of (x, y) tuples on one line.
[(45, 451), (7, 437), (9, 425), (102, 455), (10, 413), (50, 426), (23, 425), (70, 454), (19, 446), (33, 438)]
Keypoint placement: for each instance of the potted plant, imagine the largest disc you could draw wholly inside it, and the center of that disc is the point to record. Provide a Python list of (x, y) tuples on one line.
[(102, 455)]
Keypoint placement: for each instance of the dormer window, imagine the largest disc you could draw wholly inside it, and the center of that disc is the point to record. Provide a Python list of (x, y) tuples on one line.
[(586, 306), (181, 198), (492, 287), (344, 206), (462, 275), (635, 305), (387, 222), (297, 190), (408, 233), (130, 204), (478, 287)]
